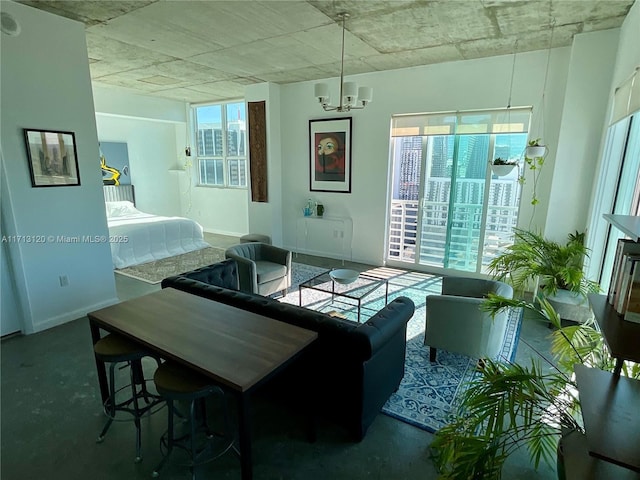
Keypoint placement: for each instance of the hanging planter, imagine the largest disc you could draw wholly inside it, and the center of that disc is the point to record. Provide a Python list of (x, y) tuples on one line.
[(502, 167), (535, 150)]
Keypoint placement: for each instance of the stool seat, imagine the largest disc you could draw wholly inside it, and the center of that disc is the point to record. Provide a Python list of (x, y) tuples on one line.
[(255, 237), (174, 380), (115, 348)]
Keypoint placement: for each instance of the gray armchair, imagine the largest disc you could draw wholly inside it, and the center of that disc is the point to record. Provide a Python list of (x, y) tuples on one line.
[(262, 269), (455, 322)]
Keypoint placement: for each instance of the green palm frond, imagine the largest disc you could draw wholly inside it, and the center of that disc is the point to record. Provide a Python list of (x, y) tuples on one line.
[(501, 410), (510, 405), (533, 258)]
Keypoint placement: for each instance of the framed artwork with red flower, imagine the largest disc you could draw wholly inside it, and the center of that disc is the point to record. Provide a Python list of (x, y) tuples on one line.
[(330, 155)]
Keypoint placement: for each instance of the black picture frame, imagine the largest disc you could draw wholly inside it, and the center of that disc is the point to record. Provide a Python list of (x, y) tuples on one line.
[(330, 155), (52, 157)]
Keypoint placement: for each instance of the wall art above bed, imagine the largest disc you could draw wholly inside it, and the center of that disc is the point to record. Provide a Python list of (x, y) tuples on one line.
[(52, 156), (114, 163)]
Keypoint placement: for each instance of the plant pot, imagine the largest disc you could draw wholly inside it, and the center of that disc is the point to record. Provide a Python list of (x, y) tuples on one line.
[(536, 151), (567, 436), (571, 306), (502, 170)]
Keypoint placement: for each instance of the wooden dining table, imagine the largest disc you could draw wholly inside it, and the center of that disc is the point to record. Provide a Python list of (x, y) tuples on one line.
[(237, 349)]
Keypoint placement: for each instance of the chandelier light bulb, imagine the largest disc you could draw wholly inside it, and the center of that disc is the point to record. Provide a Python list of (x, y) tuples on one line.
[(350, 89), (365, 95), (321, 91)]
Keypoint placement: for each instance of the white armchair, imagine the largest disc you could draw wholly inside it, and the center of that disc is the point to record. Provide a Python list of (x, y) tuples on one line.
[(455, 322)]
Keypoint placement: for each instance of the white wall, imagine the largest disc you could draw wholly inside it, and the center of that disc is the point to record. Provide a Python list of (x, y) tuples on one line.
[(466, 85), (45, 84), (153, 151), (628, 55), (583, 121), (266, 217), (118, 102), (219, 210)]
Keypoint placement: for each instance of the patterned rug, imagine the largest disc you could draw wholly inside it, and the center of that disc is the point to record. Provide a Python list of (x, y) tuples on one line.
[(154, 272), (429, 391)]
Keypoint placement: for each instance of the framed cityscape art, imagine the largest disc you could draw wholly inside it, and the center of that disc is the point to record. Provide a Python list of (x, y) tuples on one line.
[(330, 155), (52, 156)]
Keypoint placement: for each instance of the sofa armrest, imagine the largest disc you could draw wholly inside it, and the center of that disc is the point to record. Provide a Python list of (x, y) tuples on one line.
[(247, 272), (379, 329)]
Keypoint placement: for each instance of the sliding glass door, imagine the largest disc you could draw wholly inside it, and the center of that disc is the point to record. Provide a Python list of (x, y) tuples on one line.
[(448, 209)]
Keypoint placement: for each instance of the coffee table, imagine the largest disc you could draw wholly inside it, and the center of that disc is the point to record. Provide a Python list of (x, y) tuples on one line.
[(237, 349), (357, 291)]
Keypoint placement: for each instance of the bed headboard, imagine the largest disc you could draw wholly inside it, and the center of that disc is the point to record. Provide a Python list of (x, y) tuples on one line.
[(116, 193)]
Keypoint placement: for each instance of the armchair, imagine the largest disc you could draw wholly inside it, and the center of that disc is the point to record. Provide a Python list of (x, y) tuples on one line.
[(262, 269), (455, 322)]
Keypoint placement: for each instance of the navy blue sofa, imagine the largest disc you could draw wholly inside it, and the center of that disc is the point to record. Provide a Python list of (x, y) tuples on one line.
[(356, 367)]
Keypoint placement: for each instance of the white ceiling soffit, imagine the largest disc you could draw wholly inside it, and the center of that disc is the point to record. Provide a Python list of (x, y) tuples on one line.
[(204, 50)]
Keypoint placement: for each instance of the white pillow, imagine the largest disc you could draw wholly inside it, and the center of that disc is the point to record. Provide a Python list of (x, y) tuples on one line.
[(120, 209)]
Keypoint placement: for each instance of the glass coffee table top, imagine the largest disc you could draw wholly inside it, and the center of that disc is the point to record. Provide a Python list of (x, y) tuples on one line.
[(340, 293)]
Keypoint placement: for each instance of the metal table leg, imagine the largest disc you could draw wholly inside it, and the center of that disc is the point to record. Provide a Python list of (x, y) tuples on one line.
[(244, 419), (100, 366)]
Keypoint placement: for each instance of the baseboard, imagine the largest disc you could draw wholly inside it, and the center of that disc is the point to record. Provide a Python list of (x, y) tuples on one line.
[(224, 232), (70, 316), (319, 253)]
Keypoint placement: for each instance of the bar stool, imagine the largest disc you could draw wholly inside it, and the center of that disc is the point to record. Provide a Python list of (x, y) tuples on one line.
[(177, 383), (115, 349)]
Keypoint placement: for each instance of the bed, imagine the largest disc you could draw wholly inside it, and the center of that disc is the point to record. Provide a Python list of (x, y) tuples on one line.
[(137, 237)]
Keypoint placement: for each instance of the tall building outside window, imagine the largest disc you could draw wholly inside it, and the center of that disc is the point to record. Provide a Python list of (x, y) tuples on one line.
[(448, 209), (221, 144)]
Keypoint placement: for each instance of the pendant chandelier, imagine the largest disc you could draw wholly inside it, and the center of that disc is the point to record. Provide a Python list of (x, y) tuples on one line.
[(351, 97)]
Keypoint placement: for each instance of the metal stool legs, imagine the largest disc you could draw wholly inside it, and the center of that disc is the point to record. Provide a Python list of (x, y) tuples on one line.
[(131, 405), (202, 451)]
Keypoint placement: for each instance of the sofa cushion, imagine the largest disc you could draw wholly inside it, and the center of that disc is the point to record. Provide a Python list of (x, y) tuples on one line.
[(268, 271)]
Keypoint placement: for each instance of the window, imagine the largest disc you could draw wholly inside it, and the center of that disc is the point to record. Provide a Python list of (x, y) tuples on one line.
[(448, 209), (617, 192), (221, 138)]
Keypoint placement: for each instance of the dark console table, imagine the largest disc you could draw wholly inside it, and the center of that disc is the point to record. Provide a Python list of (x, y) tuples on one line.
[(621, 336), (610, 447)]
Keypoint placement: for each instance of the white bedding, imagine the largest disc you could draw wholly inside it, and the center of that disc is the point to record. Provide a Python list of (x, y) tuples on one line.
[(137, 237)]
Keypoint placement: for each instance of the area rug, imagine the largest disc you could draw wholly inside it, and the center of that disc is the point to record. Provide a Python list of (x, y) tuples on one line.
[(429, 392), (154, 272)]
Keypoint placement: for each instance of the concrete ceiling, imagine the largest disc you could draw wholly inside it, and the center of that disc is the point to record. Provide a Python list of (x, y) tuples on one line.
[(199, 51)]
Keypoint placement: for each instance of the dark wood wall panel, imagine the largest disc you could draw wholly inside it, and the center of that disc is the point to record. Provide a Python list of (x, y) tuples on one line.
[(258, 151)]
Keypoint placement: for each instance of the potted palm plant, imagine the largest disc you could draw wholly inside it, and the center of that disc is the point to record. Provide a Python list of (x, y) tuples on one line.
[(557, 269), (510, 405), (556, 266)]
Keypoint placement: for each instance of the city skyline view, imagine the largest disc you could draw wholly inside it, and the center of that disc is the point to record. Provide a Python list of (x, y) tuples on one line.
[(455, 204)]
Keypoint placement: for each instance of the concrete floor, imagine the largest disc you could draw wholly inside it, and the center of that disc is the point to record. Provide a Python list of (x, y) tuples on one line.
[(51, 416)]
